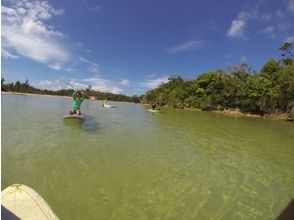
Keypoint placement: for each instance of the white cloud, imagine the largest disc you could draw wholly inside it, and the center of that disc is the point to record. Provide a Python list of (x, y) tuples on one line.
[(290, 5), (93, 67), (55, 66), (24, 31), (290, 39), (124, 82), (76, 85), (237, 57), (269, 31), (238, 25), (188, 46), (243, 59), (277, 30), (153, 83), (50, 85), (69, 69), (6, 54), (116, 90), (102, 85), (237, 29), (248, 15), (84, 60)]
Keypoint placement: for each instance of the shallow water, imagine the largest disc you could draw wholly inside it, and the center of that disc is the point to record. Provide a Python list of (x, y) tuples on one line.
[(129, 163)]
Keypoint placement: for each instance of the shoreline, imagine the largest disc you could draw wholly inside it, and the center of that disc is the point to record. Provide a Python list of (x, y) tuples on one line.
[(33, 94), (237, 113), (229, 112)]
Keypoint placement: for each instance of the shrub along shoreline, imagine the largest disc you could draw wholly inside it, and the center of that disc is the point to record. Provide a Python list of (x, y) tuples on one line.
[(236, 113), (238, 90)]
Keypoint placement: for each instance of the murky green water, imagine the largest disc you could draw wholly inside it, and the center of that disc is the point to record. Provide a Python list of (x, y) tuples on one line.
[(128, 163)]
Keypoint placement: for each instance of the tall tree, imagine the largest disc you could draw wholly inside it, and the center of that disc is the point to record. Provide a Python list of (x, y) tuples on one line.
[(287, 49)]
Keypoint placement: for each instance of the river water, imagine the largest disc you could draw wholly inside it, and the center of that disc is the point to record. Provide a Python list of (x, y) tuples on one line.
[(129, 163)]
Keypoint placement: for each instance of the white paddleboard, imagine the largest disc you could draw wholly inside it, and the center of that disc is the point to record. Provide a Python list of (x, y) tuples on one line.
[(153, 110), (19, 201), (108, 106)]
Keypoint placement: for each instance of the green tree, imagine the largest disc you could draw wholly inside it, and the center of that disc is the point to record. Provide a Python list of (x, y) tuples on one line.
[(17, 86), (259, 91), (284, 84), (287, 48), (270, 68), (3, 86)]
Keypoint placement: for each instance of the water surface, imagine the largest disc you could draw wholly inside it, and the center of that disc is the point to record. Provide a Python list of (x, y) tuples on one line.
[(129, 163)]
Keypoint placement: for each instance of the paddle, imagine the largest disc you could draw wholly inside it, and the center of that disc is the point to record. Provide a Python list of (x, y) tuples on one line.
[(92, 98)]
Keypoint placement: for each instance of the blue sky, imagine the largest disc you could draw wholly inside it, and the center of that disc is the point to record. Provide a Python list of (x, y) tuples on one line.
[(132, 46)]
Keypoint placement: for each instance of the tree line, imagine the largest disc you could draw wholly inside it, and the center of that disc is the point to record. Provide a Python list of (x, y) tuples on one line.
[(239, 87), (25, 87), (269, 91)]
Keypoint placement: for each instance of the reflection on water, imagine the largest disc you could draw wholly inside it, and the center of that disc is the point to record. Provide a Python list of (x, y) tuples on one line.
[(73, 123), (129, 163), (91, 124)]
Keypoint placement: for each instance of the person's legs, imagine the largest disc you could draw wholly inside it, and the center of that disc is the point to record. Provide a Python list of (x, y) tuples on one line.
[(79, 112), (71, 112)]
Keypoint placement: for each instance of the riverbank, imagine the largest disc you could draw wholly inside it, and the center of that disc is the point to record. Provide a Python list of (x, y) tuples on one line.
[(273, 116), (230, 112), (33, 94), (237, 113)]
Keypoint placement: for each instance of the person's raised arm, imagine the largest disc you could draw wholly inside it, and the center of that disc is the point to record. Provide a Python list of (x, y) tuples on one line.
[(74, 95), (83, 96)]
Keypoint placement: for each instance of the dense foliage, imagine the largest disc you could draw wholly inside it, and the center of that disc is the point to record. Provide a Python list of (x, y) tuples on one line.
[(271, 90), (27, 88)]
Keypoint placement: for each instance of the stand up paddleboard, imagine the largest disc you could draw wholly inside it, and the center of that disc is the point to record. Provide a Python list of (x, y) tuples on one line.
[(19, 201), (108, 106), (153, 110), (74, 117)]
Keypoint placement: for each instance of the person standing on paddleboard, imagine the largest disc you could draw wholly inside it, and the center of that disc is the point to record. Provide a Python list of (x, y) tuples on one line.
[(78, 98)]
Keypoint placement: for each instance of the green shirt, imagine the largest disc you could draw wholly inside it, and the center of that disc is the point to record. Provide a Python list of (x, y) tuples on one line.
[(76, 105)]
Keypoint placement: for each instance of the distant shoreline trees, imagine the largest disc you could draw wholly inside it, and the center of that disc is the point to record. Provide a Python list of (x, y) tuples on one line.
[(269, 91), (25, 87)]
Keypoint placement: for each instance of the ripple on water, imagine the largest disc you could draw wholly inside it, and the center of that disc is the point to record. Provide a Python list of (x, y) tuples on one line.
[(126, 163)]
